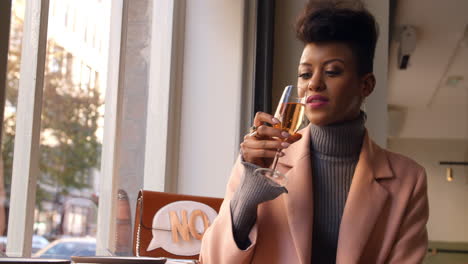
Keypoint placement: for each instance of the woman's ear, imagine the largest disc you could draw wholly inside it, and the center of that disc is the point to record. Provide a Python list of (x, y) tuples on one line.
[(367, 84)]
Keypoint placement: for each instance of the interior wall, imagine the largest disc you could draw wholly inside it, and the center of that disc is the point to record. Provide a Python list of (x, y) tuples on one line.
[(376, 104), (287, 49), (447, 200), (211, 95), (414, 123)]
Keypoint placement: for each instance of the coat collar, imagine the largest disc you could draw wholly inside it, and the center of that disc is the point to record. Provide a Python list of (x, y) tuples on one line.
[(371, 153), (365, 200)]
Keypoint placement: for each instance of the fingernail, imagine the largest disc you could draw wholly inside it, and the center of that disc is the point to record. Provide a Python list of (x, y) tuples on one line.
[(285, 144), (285, 134), (275, 121), (281, 154)]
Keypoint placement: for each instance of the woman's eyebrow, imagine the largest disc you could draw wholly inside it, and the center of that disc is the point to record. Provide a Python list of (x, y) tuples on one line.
[(323, 63), (333, 60)]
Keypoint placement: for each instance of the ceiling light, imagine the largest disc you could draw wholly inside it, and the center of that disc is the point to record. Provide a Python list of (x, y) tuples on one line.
[(449, 174)]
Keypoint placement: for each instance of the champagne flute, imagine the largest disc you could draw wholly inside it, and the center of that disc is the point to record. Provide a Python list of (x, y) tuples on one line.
[(290, 113)]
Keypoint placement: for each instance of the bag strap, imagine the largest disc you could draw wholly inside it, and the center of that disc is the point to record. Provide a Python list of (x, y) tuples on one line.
[(140, 201), (138, 228)]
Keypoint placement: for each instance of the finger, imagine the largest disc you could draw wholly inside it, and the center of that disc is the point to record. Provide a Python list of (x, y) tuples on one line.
[(261, 117), (266, 131), (250, 154), (293, 138), (264, 144)]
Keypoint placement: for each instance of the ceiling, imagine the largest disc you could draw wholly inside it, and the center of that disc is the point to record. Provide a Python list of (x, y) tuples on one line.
[(424, 103)]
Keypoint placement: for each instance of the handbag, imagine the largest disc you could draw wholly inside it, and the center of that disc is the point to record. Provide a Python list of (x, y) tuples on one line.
[(172, 225)]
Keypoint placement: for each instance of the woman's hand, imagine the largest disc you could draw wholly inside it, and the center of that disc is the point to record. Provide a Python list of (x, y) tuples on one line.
[(260, 148)]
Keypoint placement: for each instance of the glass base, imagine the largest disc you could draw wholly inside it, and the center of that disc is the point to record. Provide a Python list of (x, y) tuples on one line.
[(274, 177)]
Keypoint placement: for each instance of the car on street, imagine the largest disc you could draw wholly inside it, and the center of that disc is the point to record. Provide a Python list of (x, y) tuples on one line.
[(65, 248), (38, 242)]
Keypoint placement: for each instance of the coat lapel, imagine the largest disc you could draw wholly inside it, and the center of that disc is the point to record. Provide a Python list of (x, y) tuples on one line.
[(298, 201), (365, 201)]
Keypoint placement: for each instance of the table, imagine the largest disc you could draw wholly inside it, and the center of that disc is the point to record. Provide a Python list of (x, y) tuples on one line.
[(5, 260)]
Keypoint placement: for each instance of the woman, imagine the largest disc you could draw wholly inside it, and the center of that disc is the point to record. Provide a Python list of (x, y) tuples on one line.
[(347, 199)]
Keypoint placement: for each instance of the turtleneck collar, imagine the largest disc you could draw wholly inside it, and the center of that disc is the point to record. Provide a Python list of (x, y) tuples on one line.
[(342, 139)]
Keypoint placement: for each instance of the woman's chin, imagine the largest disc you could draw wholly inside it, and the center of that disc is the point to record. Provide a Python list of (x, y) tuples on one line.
[(319, 118)]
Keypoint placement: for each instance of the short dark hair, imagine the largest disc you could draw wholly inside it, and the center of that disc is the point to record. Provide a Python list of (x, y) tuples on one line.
[(341, 21)]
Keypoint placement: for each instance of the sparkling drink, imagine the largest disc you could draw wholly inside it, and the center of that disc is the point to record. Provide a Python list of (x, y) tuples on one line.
[(292, 114)]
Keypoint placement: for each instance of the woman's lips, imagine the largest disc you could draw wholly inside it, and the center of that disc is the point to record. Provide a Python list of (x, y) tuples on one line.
[(316, 101)]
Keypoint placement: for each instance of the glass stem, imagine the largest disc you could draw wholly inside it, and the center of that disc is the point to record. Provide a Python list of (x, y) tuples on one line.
[(275, 161)]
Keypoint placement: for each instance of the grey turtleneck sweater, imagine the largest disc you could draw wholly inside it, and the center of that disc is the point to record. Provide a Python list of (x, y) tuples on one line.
[(334, 154)]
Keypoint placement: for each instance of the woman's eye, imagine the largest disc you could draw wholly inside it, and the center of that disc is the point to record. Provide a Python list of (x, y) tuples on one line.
[(332, 73), (306, 75)]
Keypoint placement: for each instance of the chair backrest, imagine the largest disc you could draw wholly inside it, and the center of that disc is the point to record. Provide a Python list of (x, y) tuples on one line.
[(172, 225)]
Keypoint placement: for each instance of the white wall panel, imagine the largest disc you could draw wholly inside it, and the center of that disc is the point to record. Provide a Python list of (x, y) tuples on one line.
[(211, 106)]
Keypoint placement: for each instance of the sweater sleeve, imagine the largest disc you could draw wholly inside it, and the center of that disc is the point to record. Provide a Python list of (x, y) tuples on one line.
[(218, 243), (253, 190)]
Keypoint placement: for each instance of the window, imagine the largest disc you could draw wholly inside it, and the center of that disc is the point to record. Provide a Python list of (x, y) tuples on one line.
[(70, 140), (136, 130)]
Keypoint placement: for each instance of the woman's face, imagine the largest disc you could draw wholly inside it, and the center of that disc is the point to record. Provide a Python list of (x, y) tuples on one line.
[(328, 73)]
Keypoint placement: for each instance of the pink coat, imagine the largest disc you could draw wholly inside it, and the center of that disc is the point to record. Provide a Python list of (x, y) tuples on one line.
[(384, 219)]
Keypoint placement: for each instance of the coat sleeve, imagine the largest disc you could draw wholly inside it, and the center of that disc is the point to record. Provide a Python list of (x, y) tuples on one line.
[(218, 245), (412, 241)]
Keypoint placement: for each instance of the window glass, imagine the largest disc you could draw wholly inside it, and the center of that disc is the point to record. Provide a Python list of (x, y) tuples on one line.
[(71, 127), (71, 131)]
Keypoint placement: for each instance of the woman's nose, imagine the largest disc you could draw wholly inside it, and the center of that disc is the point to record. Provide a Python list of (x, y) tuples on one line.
[(315, 84)]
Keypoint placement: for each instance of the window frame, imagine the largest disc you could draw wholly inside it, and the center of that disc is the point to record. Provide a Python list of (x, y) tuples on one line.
[(108, 184), (28, 125)]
